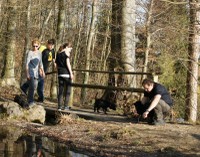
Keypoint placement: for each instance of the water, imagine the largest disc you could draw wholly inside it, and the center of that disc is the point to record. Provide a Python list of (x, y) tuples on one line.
[(13, 143)]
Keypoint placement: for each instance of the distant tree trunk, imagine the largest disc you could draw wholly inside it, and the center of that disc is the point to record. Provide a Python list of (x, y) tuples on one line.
[(115, 39), (44, 25), (193, 51), (115, 45), (105, 50), (148, 35), (128, 39), (9, 71), (74, 63), (89, 46), (59, 33), (27, 42)]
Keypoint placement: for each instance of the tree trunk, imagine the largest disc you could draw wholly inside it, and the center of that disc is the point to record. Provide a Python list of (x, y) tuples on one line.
[(193, 51), (74, 63), (9, 71), (115, 45), (128, 39), (148, 34), (44, 25), (88, 50), (27, 42), (60, 28), (105, 50), (115, 39)]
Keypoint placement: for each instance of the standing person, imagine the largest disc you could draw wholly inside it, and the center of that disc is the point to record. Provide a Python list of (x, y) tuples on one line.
[(155, 104), (65, 76), (34, 66), (48, 57)]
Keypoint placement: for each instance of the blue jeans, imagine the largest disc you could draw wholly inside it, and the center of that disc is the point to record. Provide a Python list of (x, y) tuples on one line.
[(40, 89), (32, 87), (24, 87)]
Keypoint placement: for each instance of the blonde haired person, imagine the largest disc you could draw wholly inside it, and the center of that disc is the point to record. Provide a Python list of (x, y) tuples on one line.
[(34, 66)]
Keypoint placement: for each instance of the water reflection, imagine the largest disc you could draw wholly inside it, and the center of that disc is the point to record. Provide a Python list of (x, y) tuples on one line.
[(14, 144)]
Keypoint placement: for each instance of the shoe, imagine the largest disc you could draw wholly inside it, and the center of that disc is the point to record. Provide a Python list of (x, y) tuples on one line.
[(40, 100), (32, 104), (26, 107), (150, 121), (66, 108), (59, 109), (158, 122)]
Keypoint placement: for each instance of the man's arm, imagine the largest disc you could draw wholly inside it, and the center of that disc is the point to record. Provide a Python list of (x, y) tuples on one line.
[(152, 105)]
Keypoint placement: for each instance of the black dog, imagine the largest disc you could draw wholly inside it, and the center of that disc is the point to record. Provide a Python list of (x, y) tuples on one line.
[(104, 104), (21, 100)]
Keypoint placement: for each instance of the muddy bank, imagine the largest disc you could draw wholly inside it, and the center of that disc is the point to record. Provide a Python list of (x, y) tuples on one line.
[(116, 139)]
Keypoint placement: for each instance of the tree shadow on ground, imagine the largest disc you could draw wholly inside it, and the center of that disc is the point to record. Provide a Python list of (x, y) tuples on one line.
[(196, 136)]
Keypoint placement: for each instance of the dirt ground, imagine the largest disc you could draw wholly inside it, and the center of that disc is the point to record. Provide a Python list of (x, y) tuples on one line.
[(120, 139)]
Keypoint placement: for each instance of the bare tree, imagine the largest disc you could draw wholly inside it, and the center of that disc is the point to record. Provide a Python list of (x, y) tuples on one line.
[(44, 25), (9, 72), (148, 34), (193, 53), (128, 39), (89, 46), (59, 36), (27, 41)]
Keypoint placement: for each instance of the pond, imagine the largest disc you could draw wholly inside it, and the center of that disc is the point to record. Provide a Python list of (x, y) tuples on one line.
[(14, 143)]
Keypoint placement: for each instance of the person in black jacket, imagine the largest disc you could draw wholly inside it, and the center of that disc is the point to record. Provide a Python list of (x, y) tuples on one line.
[(48, 57), (65, 76), (155, 104)]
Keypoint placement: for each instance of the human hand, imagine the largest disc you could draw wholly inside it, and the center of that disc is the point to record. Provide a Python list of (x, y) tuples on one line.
[(43, 75), (71, 76), (28, 77), (145, 114)]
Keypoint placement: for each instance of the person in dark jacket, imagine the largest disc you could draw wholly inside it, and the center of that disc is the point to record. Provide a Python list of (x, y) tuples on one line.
[(48, 57), (156, 103), (65, 76)]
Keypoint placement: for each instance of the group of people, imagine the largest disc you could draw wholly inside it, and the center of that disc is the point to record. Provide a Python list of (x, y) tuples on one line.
[(154, 106), (38, 62)]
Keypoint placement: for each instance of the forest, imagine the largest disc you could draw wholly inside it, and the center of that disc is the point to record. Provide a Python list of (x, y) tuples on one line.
[(160, 37)]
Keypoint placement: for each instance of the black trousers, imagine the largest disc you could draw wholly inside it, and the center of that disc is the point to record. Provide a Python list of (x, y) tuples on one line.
[(64, 91), (161, 110), (141, 108)]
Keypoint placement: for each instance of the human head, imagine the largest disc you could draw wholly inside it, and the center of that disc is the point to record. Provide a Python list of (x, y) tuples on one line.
[(147, 85), (65, 45), (50, 44), (35, 44), (68, 46)]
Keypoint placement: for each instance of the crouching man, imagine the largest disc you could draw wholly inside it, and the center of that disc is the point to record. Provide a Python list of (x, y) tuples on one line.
[(156, 103)]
